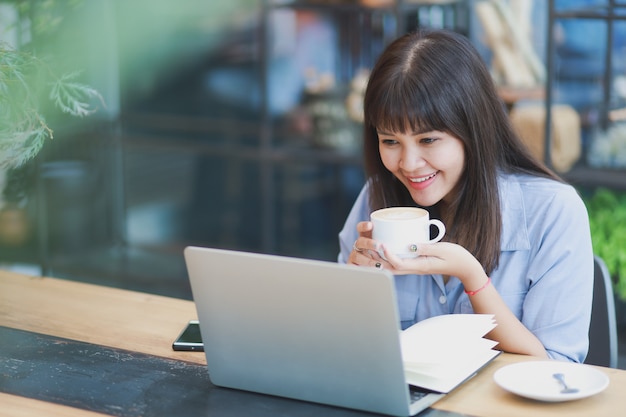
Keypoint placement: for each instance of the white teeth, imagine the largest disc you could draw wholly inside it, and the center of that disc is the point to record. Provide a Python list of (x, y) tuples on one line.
[(423, 178)]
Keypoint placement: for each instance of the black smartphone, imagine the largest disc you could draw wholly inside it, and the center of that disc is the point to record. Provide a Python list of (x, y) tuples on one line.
[(190, 338)]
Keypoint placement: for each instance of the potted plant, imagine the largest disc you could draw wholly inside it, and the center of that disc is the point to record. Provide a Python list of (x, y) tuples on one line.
[(607, 220), (24, 81), (32, 90)]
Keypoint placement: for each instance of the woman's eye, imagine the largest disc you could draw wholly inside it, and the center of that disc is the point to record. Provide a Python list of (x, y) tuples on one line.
[(388, 141), (427, 141)]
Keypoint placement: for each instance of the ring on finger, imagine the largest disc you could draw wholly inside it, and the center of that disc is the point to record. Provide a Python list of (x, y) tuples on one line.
[(355, 248), (378, 265)]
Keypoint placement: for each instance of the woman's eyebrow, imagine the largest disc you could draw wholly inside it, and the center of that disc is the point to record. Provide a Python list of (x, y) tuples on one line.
[(414, 133), (384, 133)]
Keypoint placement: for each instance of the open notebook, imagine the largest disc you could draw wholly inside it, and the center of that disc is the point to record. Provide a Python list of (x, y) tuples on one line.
[(321, 332)]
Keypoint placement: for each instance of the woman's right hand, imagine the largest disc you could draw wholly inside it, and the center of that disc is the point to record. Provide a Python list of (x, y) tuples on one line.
[(365, 249)]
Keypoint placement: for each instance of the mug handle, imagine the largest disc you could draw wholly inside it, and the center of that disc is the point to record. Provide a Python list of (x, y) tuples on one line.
[(440, 226)]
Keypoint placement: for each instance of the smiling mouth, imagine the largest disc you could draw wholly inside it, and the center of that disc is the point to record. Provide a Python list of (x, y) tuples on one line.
[(422, 179)]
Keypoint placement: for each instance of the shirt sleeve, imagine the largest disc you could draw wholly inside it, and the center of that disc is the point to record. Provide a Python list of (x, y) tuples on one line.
[(557, 307), (359, 212)]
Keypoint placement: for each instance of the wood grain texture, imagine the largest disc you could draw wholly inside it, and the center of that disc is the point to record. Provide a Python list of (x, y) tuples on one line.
[(18, 406), (482, 397), (148, 324), (105, 316)]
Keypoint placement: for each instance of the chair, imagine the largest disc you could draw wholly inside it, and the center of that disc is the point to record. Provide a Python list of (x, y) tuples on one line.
[(603, 327)]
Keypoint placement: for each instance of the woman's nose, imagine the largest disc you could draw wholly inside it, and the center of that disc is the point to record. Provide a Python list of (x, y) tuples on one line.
[(412, 159)]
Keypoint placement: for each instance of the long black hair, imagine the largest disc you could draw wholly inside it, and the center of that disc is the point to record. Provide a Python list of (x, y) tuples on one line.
[(436, 80)]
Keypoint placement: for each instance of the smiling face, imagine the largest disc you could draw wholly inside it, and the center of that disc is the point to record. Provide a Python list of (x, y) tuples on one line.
[(429, 164)]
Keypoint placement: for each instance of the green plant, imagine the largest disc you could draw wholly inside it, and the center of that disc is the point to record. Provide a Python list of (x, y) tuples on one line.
[(31, 83), (607, 220), (25, 81)]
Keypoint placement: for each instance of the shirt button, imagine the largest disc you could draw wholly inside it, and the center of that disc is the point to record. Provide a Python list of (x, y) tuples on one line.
[(442, 299)]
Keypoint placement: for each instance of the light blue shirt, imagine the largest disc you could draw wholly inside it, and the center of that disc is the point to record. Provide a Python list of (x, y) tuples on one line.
[(545, 274)]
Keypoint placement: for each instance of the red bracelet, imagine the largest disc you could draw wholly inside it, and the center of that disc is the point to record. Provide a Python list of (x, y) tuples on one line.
[(480, 289)]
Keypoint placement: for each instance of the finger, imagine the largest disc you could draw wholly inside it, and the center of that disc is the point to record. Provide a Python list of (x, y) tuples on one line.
[(362, 258), (376, 255), (388, 256), (367, 247), (420, 264), (356, 247), (364, 229), (393, 261), (428, 249)]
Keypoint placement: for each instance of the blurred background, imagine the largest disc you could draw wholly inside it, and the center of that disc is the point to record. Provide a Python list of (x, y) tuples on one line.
[(236, 123)]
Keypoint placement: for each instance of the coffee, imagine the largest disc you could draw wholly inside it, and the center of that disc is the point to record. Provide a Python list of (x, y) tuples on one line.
[(399, 213)]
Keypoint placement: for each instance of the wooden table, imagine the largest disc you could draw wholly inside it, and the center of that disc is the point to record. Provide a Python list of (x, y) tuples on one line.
[(118, 321)]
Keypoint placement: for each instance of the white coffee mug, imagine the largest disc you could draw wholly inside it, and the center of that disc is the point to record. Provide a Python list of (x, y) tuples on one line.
[(402, 229)]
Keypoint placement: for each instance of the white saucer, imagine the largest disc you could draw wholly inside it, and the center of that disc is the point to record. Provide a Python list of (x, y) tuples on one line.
[(534, 380)]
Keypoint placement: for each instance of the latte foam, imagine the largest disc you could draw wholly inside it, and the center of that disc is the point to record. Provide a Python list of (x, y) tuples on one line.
[(399, 213)]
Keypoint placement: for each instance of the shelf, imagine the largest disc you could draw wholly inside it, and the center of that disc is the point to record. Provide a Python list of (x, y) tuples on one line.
[(455, 13), (282, 154), (583, 174), (586, 176), (603, 12), (187, 134), (356, 6)]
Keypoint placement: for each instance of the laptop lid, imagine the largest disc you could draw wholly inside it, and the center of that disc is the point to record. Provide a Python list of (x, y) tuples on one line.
[(304, 329)]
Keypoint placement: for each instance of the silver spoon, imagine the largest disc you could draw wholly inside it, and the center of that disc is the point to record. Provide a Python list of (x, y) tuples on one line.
[(566, 389)]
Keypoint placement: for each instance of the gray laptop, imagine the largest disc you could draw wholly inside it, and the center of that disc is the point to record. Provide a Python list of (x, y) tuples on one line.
[(309, 330)]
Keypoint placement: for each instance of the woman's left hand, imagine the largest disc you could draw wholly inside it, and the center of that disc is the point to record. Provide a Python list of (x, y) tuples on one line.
[(436, 258)]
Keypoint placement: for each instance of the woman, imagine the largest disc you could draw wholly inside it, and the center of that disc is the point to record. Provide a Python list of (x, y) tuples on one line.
[(517, 243)]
